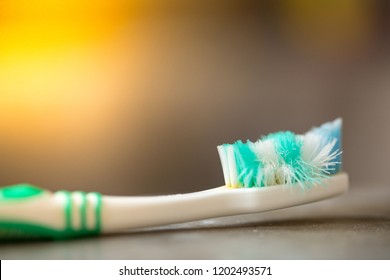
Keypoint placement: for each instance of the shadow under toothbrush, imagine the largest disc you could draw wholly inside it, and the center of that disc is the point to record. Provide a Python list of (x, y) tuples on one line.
[(344, 237), (304, 224)]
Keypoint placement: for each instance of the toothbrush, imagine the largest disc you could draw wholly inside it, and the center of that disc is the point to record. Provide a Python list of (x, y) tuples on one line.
[(279, 170)]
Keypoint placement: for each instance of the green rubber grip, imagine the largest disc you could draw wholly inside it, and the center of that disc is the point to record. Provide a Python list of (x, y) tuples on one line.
[(19, 192), (19, 201)]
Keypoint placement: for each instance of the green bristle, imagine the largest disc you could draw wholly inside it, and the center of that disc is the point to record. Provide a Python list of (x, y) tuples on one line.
[(287, 145), (248, 166)]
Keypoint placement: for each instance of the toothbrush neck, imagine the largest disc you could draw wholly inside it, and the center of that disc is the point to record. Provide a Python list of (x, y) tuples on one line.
[(135, 212)]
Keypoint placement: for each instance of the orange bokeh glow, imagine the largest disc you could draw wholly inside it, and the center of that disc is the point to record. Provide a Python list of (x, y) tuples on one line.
[(59, 62)]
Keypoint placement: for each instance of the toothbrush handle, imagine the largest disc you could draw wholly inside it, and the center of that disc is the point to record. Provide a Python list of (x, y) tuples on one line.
[(133, 212), (28, 212), (120, 213)]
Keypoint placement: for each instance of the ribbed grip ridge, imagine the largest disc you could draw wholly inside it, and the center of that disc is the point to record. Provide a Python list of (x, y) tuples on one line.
[(82, 212)]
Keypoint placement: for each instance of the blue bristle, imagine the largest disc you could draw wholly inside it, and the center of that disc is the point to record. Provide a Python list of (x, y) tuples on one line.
[(332, 130)]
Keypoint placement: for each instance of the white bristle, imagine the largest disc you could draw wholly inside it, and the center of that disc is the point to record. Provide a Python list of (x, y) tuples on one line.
[(231, 159), (265, 150), (317, 154), (224, 163), (285, 175), (269, 175)]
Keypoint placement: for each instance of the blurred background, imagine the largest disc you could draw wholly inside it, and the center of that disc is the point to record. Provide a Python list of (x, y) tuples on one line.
[(132, 97)]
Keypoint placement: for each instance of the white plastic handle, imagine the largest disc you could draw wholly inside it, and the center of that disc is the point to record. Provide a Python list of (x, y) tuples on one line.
[(134, 212)]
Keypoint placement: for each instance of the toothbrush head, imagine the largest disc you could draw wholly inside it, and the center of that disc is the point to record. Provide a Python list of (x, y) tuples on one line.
[(283, 158)]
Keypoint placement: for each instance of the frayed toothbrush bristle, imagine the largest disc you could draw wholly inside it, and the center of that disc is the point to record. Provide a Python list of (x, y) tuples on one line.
[(283, 158)]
